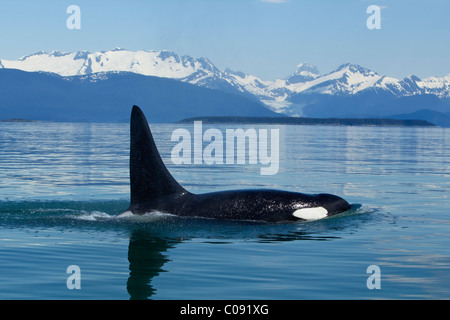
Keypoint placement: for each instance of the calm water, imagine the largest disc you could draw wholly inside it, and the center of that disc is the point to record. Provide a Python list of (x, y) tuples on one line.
[(62, 184)]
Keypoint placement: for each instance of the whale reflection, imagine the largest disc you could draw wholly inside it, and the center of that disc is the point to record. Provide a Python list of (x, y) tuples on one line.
[(146, 255), (149, 243)]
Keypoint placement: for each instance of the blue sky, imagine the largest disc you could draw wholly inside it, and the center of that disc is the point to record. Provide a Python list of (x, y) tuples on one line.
[(264, 38)]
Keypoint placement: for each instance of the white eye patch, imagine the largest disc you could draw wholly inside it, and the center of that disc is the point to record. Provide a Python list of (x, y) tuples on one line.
[(311, 213)]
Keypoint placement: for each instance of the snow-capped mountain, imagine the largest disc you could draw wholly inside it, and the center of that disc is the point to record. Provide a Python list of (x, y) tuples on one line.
[(152, 63), (305, 87), (304, 72), (166, 64), (350, 79)]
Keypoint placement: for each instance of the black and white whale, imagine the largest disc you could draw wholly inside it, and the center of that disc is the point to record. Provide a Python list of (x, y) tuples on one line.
[(154, 189)]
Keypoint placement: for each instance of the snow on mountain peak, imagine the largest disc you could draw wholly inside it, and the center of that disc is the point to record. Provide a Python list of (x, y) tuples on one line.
[(55, 53), (354, 68), (305, 67), (32, 55), (80, 55), (347, 79), (303, 73), (153, 63), (240, 74)]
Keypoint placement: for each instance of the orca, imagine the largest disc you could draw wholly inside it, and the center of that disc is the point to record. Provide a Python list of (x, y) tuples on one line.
[(154, 189)]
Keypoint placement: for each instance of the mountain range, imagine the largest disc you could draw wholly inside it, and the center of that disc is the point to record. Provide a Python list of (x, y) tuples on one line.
[(349, 91)]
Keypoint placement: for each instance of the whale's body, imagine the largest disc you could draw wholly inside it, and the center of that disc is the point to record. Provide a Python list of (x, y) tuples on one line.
[(153, 188)]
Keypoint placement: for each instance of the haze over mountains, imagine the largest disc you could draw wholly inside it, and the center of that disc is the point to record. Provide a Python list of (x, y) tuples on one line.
[(182, 86)]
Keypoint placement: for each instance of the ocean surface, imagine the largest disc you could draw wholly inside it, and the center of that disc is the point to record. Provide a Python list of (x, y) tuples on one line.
[(62, 184)]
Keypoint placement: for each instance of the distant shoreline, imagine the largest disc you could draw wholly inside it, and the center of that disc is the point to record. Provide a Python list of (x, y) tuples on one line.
[(313, 121), (379, 122), (18, 120)]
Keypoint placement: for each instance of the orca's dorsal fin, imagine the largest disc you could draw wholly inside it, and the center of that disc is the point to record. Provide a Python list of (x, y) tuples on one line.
[(149, 177)]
